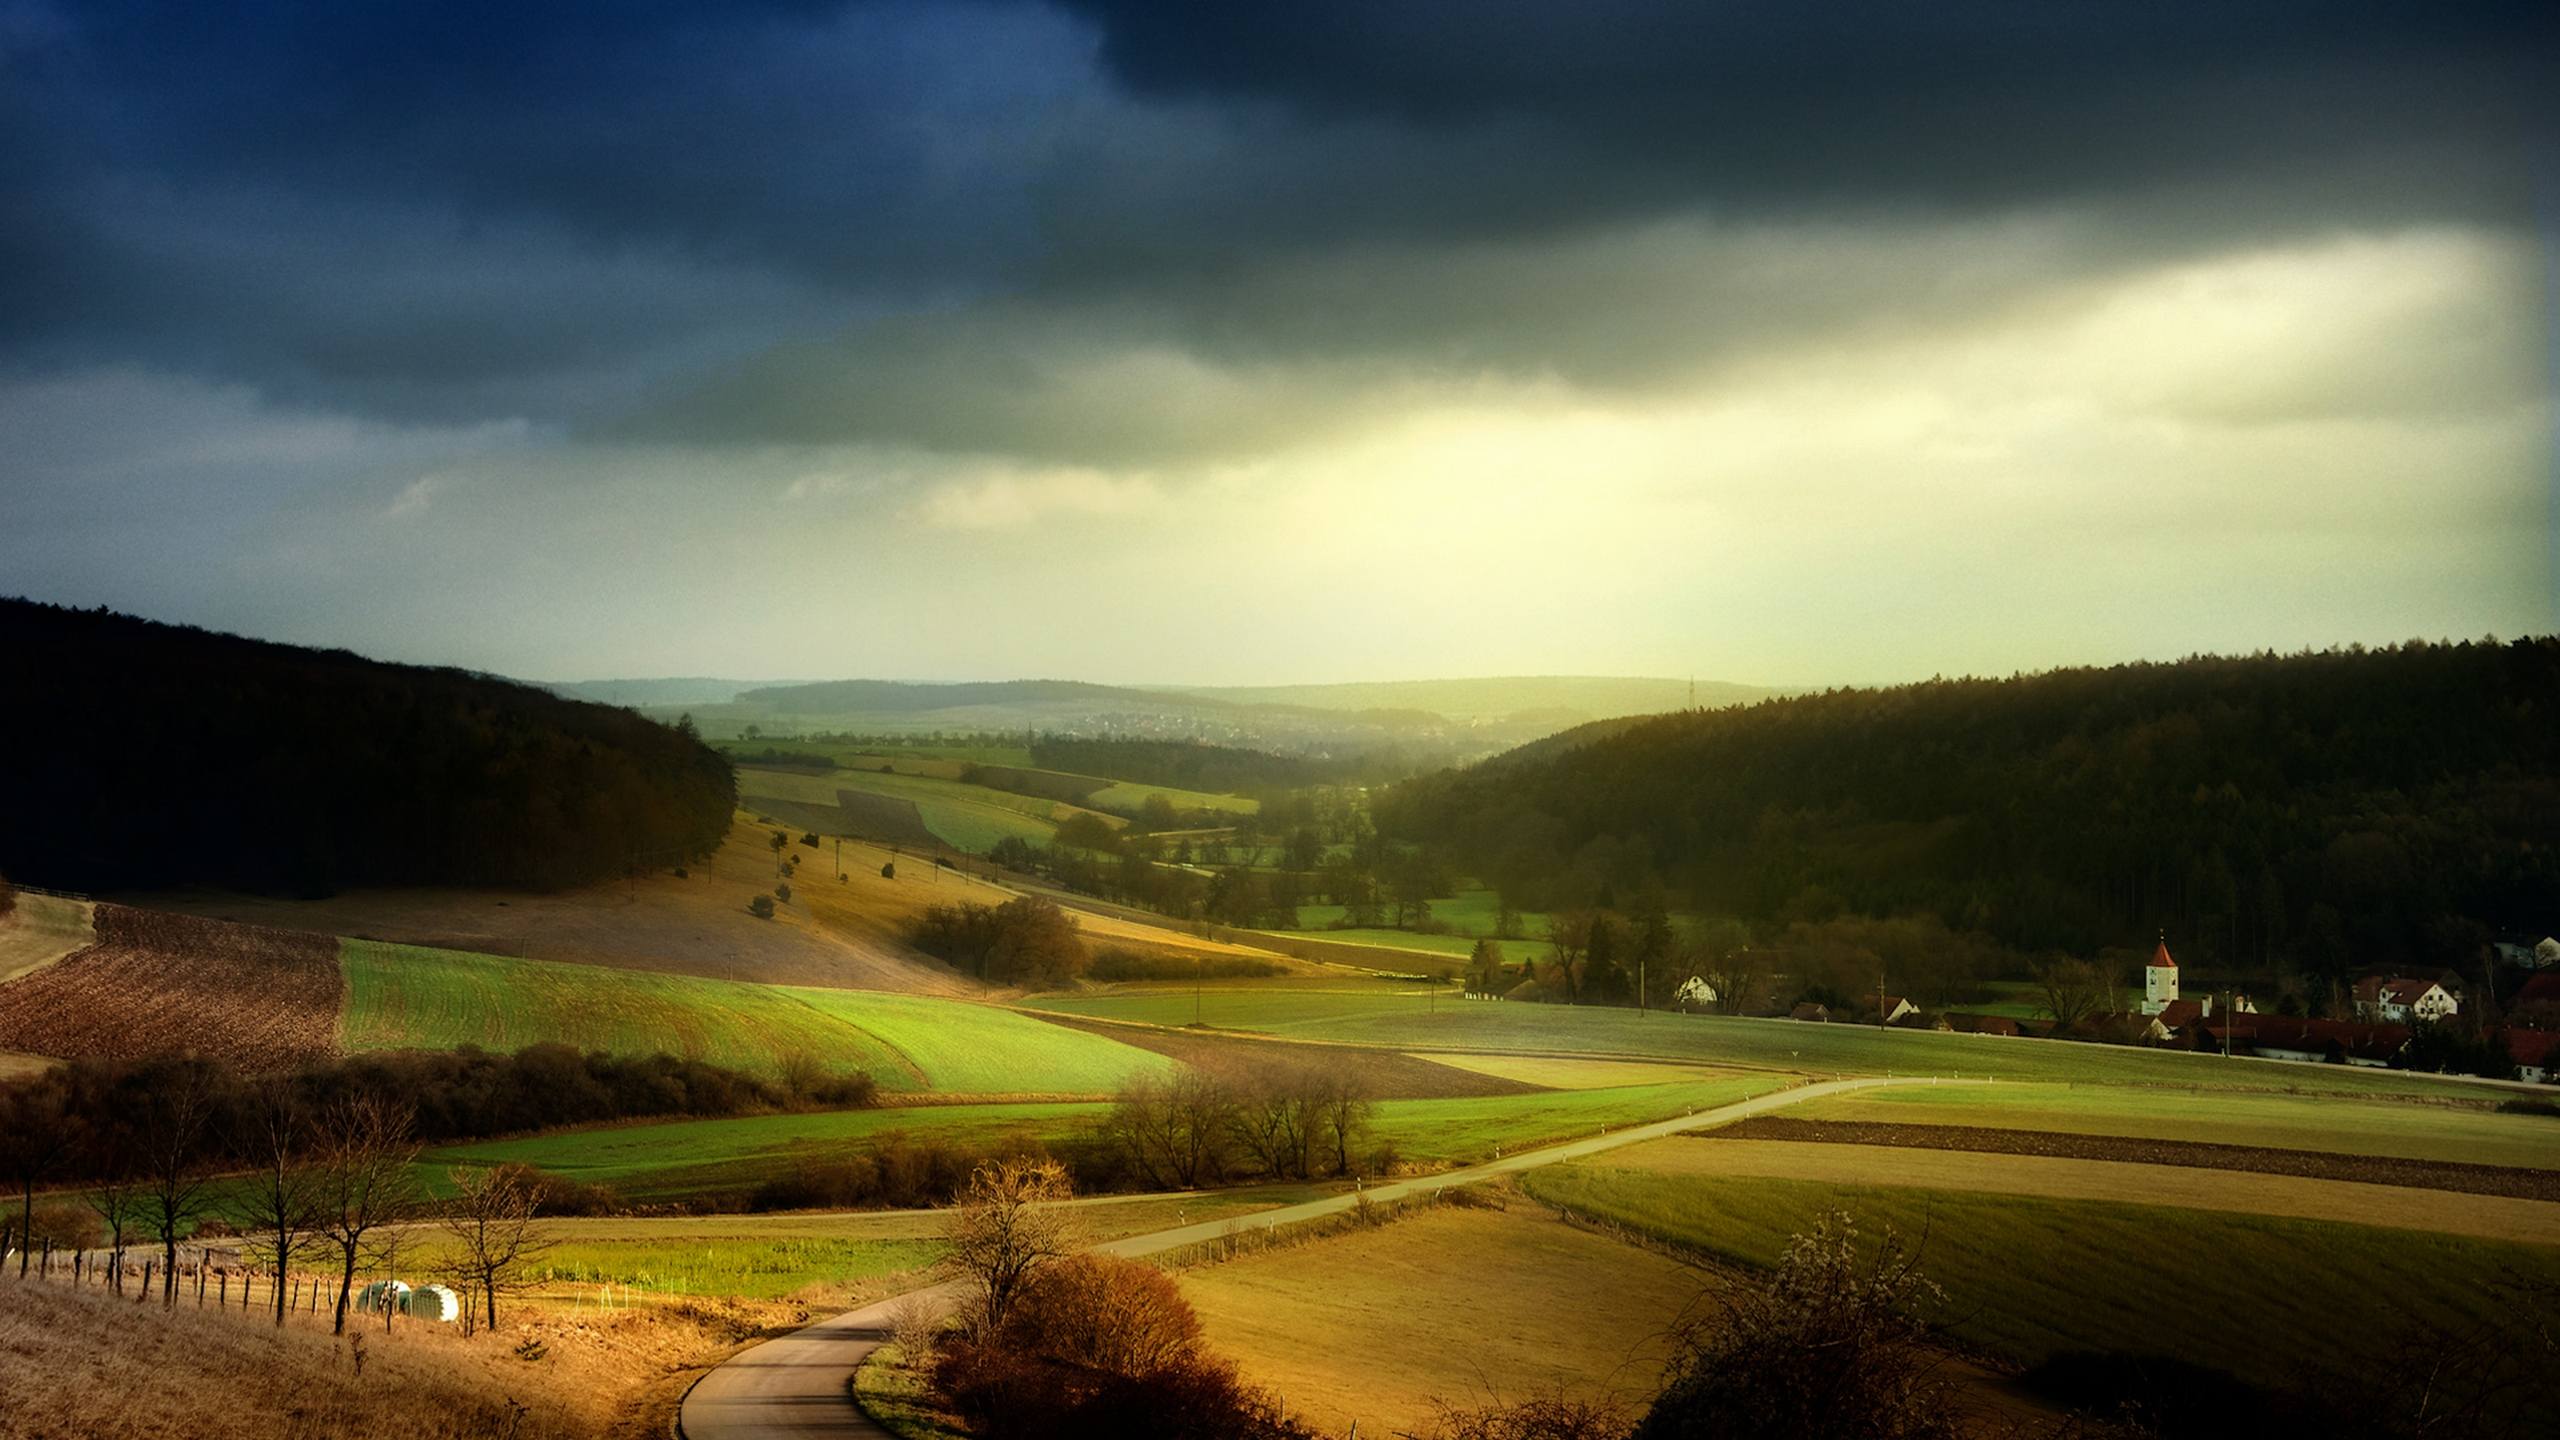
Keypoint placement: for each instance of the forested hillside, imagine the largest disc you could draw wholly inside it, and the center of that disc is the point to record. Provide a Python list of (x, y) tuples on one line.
[(2329, 810), (135, 755)]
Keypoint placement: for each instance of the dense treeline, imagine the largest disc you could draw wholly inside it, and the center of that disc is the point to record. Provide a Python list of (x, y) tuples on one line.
[(74, 1113), (2327, 811), (137, 754)]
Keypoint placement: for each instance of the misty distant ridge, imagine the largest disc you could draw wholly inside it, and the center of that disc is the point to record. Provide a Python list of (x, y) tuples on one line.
[(1452, 721), (1463, 700)]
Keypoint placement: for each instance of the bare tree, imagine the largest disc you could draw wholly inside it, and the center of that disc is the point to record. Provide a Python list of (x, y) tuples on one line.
[(1177, 1131), (2074, 990), (1006, 1226), (1570, 936), (284, 1191), (176, 1118), (115, 1193), (491, 1218), (1343, 1110), (38, 1133), (1276, 1122), (364, 1157)]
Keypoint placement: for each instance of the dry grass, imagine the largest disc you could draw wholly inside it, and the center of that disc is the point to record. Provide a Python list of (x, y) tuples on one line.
[(160, 984), (846, 933), (2487, 1217), (1371, 1326), (79, 1363), (39, 930)]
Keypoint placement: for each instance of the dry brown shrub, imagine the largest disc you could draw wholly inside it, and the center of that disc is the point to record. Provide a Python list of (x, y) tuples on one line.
[(1120, 1316)]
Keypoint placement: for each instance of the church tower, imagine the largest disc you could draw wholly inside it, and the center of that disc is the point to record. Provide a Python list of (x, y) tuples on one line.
[(2159, 980)]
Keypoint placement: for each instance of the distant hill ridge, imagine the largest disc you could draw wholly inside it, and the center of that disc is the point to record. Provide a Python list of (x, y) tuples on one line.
[(2333, 810)]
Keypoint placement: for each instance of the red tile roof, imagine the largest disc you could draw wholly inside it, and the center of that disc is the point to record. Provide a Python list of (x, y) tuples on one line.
[(2532, 1047), (2542, 989), (2160, 958), (2179, 1014)]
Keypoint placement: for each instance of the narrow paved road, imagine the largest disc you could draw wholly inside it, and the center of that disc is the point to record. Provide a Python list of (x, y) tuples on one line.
[(796, 1386)]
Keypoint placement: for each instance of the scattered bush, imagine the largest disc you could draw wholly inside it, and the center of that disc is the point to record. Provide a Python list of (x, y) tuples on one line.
[(782, 891), (1026, 941), (1546, 1417), (683, 874), (1826, 1345), (1099, 1312), (897, 1173), (761, 907), (810, 840)]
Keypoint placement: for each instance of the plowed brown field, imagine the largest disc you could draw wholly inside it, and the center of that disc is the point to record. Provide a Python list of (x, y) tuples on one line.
[(163, 984)]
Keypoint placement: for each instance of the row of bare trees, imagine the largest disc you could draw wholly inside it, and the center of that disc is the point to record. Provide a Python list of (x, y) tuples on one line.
[(332, 1185), (1198, 1128)]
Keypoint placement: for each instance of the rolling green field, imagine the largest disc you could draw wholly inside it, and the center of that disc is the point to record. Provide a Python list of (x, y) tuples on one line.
[(986, 1050), (1126, 796), (692, 1157), (686, 1158), (407, 997), (1408, 1018), (2030, 1278), (1471, 915), (2291, 1122), (969, 817), (1463, 1132)]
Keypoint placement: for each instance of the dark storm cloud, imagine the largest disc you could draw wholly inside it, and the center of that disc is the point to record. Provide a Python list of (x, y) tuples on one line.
[(1876, 99), (462, 209), (416, 207)]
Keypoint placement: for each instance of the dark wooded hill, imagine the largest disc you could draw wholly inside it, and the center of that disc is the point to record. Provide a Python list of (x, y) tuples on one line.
[(2333, 810), (140, 755)]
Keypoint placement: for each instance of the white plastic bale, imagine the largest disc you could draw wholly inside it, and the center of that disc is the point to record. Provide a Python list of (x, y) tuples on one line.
[(433, 1302)]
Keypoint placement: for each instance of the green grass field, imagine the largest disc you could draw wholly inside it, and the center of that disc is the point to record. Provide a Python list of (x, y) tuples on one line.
[(2029, 1278), (2292, 1122), (1407, 1018), (969, 817), (693, 1157), (984, 1049), (679, 1159), (1126, 796), (407, 997), (1463, 1132)]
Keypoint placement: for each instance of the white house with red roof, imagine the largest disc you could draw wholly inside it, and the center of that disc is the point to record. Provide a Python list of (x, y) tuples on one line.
[(2403, 1000), (2159, 980)]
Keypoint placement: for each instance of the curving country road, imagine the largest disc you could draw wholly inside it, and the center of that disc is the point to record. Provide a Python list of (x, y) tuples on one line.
[(796, 1386)]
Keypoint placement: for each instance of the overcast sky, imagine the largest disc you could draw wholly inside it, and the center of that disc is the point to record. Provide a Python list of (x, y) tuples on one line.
[(1320, 341)]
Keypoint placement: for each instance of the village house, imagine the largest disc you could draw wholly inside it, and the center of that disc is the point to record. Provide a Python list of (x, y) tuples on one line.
[(2281, 1037), (1981, 1024), (1890, 1009), (2402, 1000), (1694, 992), (2532, 1052), (1810, 1011)]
